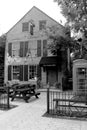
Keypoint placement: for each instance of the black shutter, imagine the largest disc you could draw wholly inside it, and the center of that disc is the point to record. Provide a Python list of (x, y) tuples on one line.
[(31, 29), (21, 49), (10, 49), (25, 49), (44, 48), (9, 72), (38, 48), (21, 73), (25, 72), (38, 72)]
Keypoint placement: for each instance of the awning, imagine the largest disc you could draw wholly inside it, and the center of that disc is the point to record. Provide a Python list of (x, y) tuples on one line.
[(49, 61)]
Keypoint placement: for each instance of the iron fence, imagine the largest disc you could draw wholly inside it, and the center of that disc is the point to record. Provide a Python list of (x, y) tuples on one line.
[(71, 104)]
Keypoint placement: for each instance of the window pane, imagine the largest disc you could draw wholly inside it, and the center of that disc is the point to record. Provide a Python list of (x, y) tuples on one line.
[(15, 53), (32, 71), (15, 72), (42, 24), (25, 26)]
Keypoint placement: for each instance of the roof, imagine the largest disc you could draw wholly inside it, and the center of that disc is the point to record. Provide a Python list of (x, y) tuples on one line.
[(30, 11), (51, 60)]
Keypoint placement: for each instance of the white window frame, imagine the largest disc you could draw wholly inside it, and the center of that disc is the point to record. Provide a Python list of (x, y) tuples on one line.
[(13, 72), (35, 73)]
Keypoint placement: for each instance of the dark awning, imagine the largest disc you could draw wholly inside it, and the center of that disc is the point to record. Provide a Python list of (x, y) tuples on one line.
[(51, 60)]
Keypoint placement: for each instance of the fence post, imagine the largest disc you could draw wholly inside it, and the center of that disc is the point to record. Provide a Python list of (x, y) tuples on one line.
[(48, 98), (8, 97)]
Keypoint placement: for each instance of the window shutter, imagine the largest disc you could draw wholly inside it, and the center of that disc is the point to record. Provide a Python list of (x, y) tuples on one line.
[(38, 48), (21, 73), (31, 29), (38, 71), (9, 72), (21, 49), (25, 49), (44, 48), (25, 72), (10, 49)]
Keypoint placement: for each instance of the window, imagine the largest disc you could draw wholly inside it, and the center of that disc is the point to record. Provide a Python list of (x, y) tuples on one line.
[(15, 53), (42, 25), (25, 26), (23, 49), (32, 71), (81, 71), (15, 49), (16, 71)]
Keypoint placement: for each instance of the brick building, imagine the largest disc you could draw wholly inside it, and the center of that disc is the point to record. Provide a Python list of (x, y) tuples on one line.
[(26, 52)]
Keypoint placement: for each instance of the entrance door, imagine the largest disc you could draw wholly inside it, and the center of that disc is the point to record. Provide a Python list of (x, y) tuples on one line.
[(52, 76)]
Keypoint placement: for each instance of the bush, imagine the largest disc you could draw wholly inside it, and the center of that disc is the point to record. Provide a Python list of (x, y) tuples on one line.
[(57, 85)]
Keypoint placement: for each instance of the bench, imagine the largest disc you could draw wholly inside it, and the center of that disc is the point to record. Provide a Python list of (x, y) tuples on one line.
[(24, 91), (71, 105)]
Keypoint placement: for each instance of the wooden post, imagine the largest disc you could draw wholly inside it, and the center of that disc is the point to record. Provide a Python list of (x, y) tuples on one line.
[(68, 59), (48, 98), (8, 97)]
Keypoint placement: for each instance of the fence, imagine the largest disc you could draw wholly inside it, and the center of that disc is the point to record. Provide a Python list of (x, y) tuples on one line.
[(4, 98), (66, 103)]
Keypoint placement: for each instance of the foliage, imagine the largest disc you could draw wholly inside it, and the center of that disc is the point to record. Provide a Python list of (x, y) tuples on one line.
[(75, 12), (2, 41), (2, 46)]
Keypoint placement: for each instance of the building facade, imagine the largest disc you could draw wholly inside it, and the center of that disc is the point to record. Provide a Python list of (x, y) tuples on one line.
[(27, 55)]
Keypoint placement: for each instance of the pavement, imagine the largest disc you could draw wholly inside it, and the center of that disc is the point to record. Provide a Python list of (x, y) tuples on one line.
[(29, 116)]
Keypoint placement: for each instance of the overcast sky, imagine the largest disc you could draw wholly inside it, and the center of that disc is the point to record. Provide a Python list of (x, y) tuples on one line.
[(11, 11)]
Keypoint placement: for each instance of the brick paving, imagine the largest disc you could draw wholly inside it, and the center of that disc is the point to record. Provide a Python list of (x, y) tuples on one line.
[(29, 116)]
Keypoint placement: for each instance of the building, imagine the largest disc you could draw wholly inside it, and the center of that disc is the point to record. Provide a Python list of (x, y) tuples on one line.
[(26, 52)]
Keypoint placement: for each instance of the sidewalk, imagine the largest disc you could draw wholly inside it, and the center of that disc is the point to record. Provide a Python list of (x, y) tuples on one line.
[(29, 116)]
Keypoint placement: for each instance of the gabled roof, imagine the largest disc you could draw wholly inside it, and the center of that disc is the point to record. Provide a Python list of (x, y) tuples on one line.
[(29, 12)]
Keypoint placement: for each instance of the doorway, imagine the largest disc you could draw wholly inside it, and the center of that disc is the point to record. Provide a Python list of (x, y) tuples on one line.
[(52, 75)]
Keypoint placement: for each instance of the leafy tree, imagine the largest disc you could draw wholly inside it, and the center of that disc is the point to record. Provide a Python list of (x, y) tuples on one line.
[(2, 56), (2, 45), (61, 44), (75, 12)]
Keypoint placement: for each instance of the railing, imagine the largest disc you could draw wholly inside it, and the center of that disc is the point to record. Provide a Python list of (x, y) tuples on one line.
[(66, 103)]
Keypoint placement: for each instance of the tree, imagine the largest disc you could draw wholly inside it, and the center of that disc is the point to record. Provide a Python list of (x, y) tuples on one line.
[(75, 12), (2, 56), (61, 44)]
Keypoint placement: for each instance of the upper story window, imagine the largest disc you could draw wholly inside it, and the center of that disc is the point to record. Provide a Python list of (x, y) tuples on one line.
[(15, 49), (23, 49), (42, 24), (25, 26)]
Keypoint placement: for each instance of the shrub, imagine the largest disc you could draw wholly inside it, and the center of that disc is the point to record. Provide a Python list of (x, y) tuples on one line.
[(57, 85)]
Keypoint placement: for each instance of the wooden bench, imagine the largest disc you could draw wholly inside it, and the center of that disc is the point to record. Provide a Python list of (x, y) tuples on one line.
[(71, 104), (24, 91)]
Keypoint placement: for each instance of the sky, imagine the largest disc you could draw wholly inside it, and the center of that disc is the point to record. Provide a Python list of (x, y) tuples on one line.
[(11, 11)]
